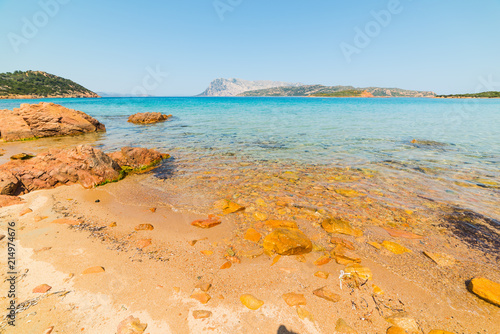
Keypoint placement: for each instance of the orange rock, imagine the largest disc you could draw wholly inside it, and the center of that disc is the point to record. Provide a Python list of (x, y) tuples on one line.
[(253, 235), (202, 297), (201, 314), (48, 330), (25, 212), (94, 270), (251, 302), (284, 241), (226, 265), (66, 221), (274, 224), (143, 243), (42, 288), (375, 244), (338, 225), (402, 234), (144, 227), (113, 224), (207, 223), (322, 260), (326, 294), (304, 314), (276, 259), (345, 243), (322, 274), (207, 252), (294, 299), (395, 330), (395, 247), (485, 289), (153, 210)]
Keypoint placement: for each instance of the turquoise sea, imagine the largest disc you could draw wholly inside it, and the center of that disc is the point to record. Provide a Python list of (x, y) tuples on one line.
[(457, 141)]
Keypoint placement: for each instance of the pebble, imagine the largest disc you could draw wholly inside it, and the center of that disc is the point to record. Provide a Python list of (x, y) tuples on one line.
[(342, 327), (304, 314), (395, 247), (42, 288), (94, 270), (207, 223), (204, 286), (326, 294), (201, 314), (485, 289), (251, 302), (202, 297), (441, 259), (360, 271), (337, 225), (144, 227), (294, 299), (322, 274)]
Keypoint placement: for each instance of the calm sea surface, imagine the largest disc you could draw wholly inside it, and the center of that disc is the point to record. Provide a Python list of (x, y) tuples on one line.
[(457, 148)]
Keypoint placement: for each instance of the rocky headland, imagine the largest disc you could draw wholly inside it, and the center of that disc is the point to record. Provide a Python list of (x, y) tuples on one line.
[(44, 119)]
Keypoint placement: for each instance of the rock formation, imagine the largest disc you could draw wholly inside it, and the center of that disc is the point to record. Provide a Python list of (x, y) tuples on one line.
[(45, 120), (82, 164), (148, 118)]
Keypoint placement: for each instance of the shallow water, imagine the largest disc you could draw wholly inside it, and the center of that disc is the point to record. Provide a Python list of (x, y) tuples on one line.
[(455, 159)]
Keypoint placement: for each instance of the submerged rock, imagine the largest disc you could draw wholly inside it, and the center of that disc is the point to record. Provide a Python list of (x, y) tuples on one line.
[(148, 118), (201, 314), (284, 241), (485, 289), (45, 120), (338, 225)]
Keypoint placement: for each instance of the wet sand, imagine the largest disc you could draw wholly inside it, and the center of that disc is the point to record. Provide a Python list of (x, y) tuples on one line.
[(155, 283)]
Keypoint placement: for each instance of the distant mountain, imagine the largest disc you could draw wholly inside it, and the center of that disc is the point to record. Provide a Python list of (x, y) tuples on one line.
[(38, 84), (336, 91), (233, 87)]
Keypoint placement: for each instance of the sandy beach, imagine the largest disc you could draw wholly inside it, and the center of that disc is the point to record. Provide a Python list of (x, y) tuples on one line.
[(152, 274)]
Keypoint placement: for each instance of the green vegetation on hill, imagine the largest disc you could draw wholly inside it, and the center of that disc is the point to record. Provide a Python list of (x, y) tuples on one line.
[(484, 95), (333, 91), (40, 84), (342, 93)]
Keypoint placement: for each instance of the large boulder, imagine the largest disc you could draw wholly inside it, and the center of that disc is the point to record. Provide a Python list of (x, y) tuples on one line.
[(45, 120), (83, 164), (148, 118)]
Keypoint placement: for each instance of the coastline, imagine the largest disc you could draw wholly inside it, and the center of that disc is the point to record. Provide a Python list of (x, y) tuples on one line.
[(155, 283)]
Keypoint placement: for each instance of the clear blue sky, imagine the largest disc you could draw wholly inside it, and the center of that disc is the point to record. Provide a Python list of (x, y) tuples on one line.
[(444, 46)]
